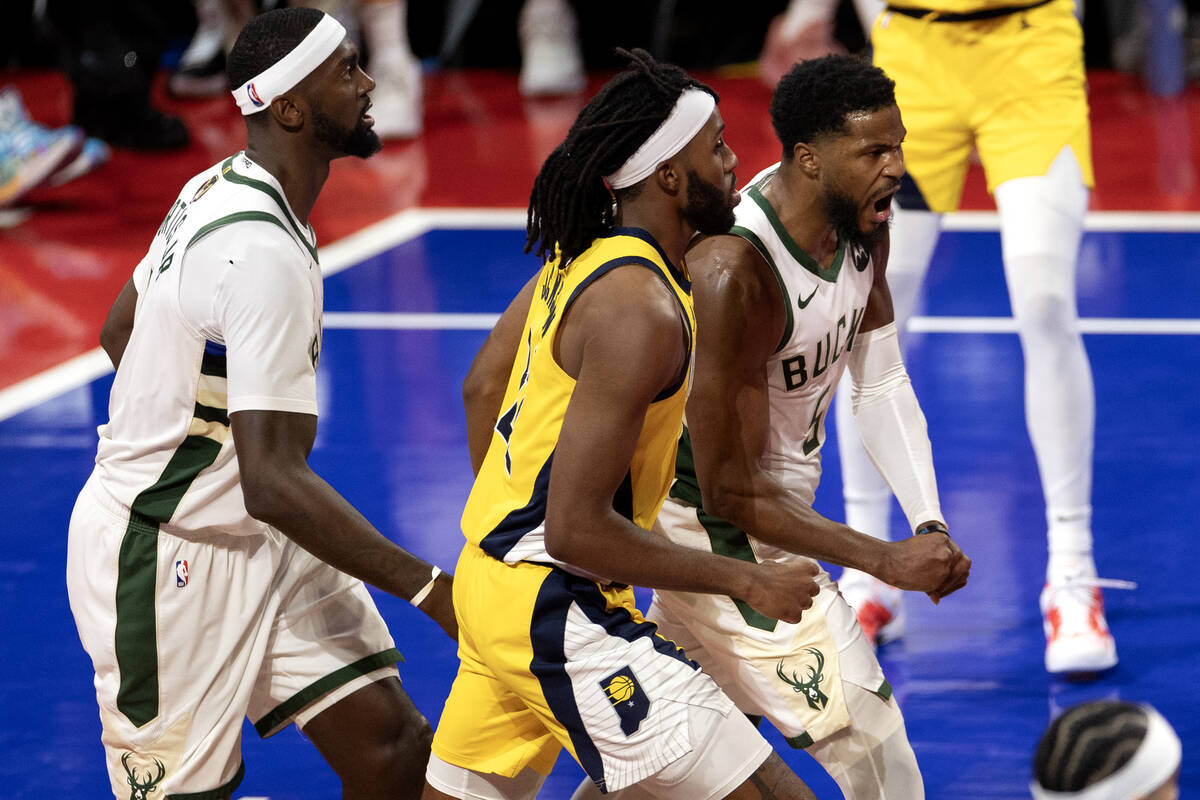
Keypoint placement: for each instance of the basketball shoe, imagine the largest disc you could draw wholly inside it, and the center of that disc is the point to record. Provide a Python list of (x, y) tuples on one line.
[(1077, 635), (551, 63), (879, 607), (30, 153)]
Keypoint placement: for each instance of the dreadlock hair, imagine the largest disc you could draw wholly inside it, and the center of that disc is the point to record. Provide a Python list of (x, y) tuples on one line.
[(571, 204), (815, 97), (266, 39), (1087, 743)]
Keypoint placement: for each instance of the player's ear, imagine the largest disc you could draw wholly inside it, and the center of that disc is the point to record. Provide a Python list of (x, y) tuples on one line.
[(284, 110), (806, 159), (669, 176)]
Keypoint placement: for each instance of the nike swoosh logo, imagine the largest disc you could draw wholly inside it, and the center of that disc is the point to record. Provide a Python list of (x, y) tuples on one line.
[(804, 301)]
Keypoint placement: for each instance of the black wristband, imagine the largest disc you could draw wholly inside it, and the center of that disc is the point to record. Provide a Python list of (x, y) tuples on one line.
[(932, 527)]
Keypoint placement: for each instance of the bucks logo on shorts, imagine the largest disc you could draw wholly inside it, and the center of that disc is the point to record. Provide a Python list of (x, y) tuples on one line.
[(142, 787), (811, 686), (627, 698)]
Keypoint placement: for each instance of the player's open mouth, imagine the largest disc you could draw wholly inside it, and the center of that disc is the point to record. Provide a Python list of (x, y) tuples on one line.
[(883, 207), (367, 119)]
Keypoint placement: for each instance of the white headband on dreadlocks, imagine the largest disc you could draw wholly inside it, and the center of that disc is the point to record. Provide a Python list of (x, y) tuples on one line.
[(691, 111)]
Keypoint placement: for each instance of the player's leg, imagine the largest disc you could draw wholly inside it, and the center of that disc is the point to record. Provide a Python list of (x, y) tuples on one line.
[(376, 740), (1035, 146), (1041, 223), (330, 669)]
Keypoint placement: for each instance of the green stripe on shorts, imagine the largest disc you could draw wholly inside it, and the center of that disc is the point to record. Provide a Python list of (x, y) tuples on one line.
[(282, 712)]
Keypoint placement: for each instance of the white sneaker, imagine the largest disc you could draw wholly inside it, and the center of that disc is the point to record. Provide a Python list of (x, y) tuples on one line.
[(878, 606), (551, 63), (396, 101), (1077, 635)]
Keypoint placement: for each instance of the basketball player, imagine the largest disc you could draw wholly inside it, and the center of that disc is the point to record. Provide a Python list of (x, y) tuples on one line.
[(574, 406), (1008, 79), (794, 295), (207, 564)]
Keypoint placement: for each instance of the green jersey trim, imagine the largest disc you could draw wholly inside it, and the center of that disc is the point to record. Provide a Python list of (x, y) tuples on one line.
[(225, 790), (228, 174), (804, 259), (752, 237), (274, 718), (244, 216)]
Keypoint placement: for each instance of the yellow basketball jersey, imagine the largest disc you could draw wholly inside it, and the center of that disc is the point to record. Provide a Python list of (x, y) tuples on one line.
[(505, 513), (964, 6)]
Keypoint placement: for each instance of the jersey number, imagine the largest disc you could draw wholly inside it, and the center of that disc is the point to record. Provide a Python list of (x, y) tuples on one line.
[(504, 425), (813, 440)]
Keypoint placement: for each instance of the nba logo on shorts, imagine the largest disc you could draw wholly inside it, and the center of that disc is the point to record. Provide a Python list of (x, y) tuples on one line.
[(628, 700), (181, 574)]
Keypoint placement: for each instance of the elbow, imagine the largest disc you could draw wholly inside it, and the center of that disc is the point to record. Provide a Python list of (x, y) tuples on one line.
[(725, 499), (264, 500)]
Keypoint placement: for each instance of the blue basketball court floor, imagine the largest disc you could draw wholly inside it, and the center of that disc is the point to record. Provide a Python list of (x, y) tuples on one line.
[(409, 301)]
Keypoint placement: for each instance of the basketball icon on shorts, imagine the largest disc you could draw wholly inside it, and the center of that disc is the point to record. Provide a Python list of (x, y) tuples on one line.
[(620, 689), (628, 699)]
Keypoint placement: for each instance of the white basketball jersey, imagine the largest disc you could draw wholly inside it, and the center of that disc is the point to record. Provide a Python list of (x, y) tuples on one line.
[(228, 319), (823, 311)]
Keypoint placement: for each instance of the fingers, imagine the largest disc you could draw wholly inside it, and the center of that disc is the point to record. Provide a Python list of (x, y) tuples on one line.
[(960, 570)]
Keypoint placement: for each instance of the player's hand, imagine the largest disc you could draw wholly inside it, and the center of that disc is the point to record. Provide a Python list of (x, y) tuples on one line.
[(783, 591), (782, 47), (930, 563)]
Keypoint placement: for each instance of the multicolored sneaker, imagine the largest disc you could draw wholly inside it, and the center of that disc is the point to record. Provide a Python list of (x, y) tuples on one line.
[(1077, 635), (94, 153), (878, 606), (30, 153)]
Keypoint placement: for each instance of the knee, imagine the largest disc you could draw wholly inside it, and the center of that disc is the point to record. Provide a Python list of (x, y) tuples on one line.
[(393, 763)]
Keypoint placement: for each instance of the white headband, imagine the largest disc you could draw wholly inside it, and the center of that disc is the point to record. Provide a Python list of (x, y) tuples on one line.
[(691, 111), (257, 93), (1155, 760)]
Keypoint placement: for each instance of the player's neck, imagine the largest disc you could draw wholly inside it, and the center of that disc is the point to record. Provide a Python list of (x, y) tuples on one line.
[(301, 178), (671, 231), (802, 212)]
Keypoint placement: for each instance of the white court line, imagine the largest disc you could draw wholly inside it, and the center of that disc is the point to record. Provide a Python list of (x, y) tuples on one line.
[(46, 385), (407, 225), (1161, 327)]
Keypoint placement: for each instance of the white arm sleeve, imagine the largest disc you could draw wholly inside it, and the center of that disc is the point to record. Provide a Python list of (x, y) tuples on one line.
[(891, 424), (263, 309)]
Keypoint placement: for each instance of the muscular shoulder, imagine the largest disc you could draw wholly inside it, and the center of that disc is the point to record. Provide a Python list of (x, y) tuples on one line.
[(734, 286)]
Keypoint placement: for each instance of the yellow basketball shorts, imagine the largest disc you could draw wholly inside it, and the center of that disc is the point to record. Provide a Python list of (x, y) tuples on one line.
[(549, 660), (1013, 87)]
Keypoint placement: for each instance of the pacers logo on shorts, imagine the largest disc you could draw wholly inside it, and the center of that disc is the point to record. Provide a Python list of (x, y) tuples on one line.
[(628, 700)]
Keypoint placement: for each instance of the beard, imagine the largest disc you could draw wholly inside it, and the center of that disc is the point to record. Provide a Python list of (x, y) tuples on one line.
[(709, 209), (361, 140), (844, 216)]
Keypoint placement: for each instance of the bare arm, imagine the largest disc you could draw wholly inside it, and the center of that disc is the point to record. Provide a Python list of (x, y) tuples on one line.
[(118, 326), (621, 361), (483, 388), (281, 490), (740, 311)]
